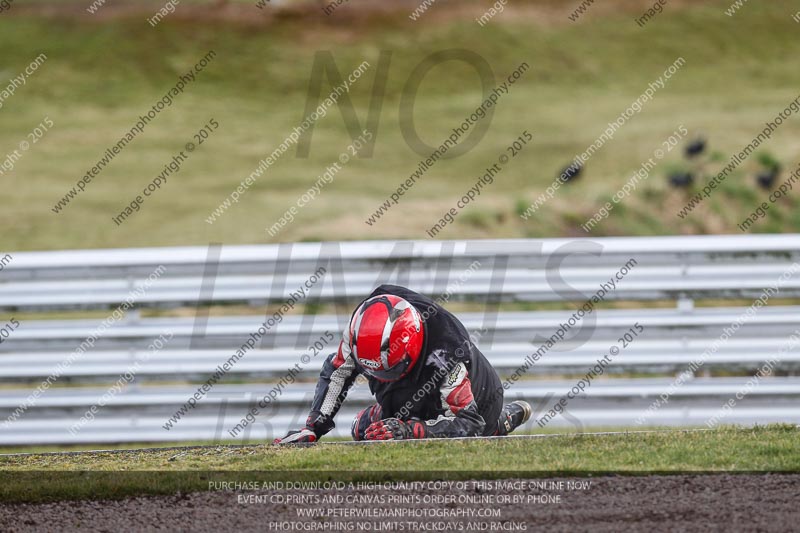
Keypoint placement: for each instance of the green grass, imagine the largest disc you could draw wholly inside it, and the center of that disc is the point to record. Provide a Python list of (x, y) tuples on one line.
[(101, 76), (223, 442), (765, 449)]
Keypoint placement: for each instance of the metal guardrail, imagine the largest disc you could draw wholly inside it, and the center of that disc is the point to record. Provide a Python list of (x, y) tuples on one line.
[(519, 270), (646, 355), (294, 331), (679, 269), (675, 338), (139, 414)]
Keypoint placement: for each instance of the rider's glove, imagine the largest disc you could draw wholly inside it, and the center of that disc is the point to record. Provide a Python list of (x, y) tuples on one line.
[(395, 429)]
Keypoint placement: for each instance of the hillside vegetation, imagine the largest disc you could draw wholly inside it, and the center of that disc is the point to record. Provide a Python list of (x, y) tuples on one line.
[(101, 74)]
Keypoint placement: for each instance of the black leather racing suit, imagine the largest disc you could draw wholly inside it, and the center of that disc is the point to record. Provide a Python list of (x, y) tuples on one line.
[(452, 387)]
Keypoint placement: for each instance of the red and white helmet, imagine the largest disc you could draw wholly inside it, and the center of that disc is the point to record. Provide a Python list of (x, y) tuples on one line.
[(386, 336)]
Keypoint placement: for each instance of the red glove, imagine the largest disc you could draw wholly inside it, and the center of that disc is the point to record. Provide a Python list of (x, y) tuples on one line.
[(304, 435), (395, 429)]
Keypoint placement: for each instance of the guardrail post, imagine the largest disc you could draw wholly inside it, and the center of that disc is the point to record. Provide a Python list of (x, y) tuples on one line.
[(334, 274), (280, 272), (210, 270), (685, 304)]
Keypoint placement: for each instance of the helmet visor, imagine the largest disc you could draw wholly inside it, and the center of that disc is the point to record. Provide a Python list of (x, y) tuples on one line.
[(393, 374)]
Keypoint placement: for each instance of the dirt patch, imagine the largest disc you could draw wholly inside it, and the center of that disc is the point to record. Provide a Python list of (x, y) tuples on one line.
[(743, 502)]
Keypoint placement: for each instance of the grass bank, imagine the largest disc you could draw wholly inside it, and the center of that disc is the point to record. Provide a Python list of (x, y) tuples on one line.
[(118, 474)]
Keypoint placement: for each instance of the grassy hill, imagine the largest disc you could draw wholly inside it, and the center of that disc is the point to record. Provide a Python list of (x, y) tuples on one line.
[(102, 74)]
